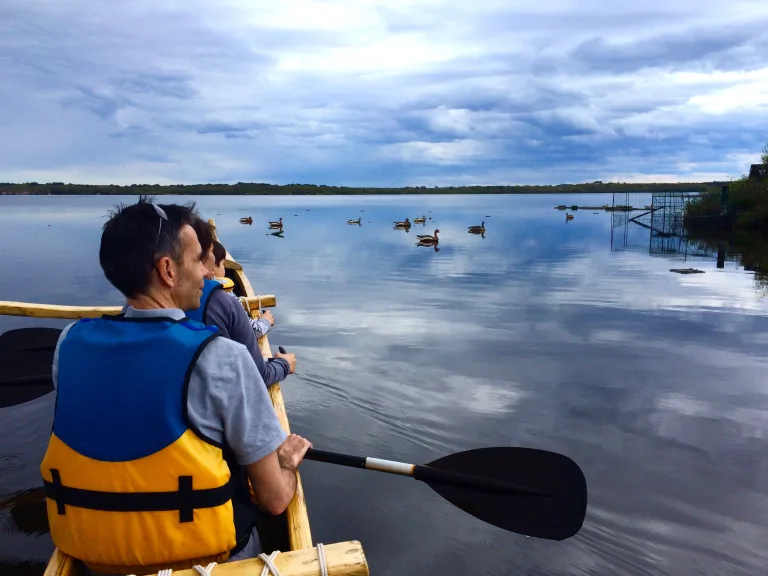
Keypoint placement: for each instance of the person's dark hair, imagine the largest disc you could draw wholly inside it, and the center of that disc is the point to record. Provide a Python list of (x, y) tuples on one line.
[(219, 252), (204, 235), (136, 236)]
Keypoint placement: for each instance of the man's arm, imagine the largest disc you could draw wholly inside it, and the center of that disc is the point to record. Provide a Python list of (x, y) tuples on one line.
[(274, 477), (224, 404), (228, 314), (260, 327)]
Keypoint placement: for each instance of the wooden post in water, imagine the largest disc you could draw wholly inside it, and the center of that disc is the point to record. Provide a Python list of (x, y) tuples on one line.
[(724, 199)]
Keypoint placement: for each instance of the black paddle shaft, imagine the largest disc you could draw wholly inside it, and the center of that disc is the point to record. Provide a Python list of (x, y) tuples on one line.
[(425, 474), (335, 458)]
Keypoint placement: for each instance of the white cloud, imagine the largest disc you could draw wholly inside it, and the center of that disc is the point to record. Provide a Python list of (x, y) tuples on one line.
[(456, 152), (376, 92)]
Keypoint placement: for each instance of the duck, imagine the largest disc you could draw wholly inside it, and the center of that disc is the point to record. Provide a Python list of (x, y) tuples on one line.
[(278, 224), (248, 220), (405, 224), (427, 240), (568, 216), (477, 229), (422, 220), (354, 221)]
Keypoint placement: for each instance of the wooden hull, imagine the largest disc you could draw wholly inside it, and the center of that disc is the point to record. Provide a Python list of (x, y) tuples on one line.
[(289, 532), (297, 519)]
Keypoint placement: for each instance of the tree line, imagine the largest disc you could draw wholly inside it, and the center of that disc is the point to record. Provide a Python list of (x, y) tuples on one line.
[(260, 188)]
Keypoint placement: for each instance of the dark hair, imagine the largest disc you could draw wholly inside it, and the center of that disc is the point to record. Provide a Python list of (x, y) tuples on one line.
[(219, 252), (204, 234), (136, 236)]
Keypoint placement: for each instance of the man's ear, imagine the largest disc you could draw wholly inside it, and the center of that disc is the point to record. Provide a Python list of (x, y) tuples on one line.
[(166, 271)]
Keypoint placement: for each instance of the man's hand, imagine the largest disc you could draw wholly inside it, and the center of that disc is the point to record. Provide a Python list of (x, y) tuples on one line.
[(267, 315), (290, 358), (292, 451)]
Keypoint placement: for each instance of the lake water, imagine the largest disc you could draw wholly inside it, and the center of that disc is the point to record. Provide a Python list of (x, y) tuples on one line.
[(565, 336)]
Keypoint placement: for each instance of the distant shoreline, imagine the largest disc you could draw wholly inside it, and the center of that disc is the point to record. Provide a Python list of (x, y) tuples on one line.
[(262, 189)]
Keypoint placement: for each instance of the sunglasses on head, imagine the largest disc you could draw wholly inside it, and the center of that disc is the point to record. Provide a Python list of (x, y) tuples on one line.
[(163, 216)]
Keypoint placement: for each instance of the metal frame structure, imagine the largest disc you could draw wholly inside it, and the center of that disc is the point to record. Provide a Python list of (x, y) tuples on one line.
[(659, 228)]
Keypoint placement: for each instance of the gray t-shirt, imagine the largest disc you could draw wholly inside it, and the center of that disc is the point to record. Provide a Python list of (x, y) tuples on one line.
[(226, 312), (227, 399)]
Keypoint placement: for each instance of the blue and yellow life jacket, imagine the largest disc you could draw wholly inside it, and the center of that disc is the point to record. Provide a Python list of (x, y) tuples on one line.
[(198, 314), (131, 485), (227, 283)]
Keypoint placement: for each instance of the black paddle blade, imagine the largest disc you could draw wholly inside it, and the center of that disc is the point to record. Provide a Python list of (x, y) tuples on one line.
[(29, 340), (557, 516), (26, 362), (23, 380)]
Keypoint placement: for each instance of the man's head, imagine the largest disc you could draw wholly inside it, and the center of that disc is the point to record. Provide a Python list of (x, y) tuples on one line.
[(152, 255)]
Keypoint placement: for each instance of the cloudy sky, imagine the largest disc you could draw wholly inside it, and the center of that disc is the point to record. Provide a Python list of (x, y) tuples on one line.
[(381, 92)]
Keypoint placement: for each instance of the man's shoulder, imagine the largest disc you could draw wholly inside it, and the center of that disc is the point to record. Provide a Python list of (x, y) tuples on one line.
[(225, 347), (225, 364)]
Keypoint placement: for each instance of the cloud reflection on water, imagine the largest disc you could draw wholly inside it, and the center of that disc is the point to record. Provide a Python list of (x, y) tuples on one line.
[(537, 335)]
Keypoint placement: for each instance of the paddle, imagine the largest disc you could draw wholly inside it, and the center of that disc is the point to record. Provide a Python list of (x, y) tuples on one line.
[(26, 357), (29, 340), (524, 490), (283, 351)]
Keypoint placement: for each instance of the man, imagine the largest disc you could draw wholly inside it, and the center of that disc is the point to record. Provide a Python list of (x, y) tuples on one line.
[(158, 425), (217, 308)]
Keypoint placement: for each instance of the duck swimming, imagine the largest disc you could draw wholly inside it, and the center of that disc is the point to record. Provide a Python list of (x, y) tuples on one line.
[(477, 229), (427, 240)]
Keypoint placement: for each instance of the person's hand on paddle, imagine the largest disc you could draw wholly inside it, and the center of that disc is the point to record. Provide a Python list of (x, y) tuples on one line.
[(292, 451), (290, 358), (267, 315)]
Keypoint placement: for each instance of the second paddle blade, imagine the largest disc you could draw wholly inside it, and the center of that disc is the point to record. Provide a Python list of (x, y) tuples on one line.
[(556, 517), (29, 340)]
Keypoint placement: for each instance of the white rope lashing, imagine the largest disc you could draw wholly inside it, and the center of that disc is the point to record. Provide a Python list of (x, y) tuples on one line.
[(321, 559), (204, 571), (269, 565), (268, 569), (244, 302)]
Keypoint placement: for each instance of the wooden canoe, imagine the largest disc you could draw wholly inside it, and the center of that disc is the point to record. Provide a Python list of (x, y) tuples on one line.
[(289, 533)]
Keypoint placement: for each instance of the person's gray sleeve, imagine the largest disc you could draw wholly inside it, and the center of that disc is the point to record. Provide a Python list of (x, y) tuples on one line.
[(228, 314), (260, 327), (55, 365), (223, 403)]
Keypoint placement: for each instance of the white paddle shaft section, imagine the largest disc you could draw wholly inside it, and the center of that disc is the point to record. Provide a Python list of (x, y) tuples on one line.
[(389, 466)]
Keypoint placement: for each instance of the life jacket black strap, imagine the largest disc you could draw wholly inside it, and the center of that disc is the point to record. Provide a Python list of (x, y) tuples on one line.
[(185, 499)]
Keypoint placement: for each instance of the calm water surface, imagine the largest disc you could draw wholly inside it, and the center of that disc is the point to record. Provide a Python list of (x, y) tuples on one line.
[(553, 335)]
